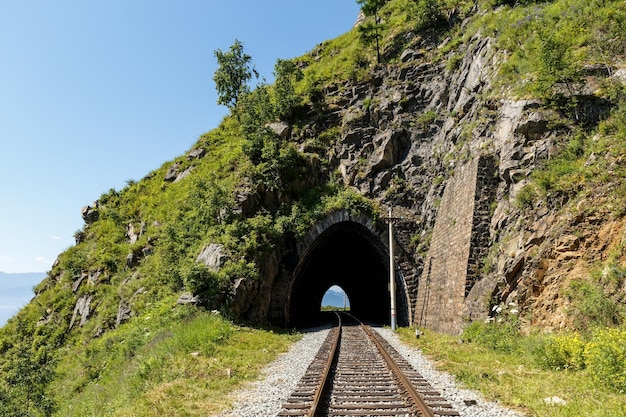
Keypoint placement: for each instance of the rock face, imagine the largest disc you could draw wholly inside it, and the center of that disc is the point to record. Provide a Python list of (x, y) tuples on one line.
[(425, 139), (420, 126)]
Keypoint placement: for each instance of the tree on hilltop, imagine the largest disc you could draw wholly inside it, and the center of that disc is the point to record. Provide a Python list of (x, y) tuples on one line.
[(371, 31), (232, 75)]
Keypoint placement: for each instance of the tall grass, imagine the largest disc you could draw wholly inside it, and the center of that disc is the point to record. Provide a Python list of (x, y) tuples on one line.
[(586, 374), (182, 365)]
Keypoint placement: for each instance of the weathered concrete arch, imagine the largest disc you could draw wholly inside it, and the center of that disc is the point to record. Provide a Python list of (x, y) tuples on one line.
[(343, 249)]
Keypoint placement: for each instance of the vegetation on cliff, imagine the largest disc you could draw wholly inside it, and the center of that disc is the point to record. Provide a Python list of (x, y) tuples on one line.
[(105, 326)]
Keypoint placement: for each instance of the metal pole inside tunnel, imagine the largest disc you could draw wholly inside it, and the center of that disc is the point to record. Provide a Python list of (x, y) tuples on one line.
[(392, 279)]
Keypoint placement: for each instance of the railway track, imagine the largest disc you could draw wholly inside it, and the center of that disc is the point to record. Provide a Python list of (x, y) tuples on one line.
[(357, 373)]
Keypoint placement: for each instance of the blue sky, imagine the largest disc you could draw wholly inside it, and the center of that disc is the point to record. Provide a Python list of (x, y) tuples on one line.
[(96, 93)]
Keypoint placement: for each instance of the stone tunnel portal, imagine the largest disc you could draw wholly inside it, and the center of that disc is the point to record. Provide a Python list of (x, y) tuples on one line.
[(349, 255)]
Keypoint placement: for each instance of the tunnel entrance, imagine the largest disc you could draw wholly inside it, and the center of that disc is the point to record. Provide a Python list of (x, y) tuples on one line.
[(349, 255)]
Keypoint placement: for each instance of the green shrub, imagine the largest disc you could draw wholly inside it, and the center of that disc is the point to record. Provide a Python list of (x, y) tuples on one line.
[(427, 15), (286, 100), (198, 279), (500, 333), (565, 351), (605, 356), (26, 370), (556, 64), (591, 307), (424, 120), (525, 197)]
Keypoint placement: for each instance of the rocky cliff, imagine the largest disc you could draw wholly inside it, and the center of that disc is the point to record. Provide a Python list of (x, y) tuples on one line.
[(410, 128)]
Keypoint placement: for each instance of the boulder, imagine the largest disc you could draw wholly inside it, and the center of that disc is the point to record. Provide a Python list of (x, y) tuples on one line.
[(620, 75), (187, 298), (213, 256), (175, 174), (123, 313), (82, 310), (280, 129), (78, 281), (90, 214), (131, 235), (183, 174), (391, 146), (131, 260), (409, 55), (196, 154), (172, 172)]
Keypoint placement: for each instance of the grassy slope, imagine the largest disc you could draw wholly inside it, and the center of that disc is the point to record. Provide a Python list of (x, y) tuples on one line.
[(517, 379), (171, 362)]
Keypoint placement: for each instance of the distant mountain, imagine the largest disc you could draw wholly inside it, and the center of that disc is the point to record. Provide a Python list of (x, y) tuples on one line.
[(16, 290)]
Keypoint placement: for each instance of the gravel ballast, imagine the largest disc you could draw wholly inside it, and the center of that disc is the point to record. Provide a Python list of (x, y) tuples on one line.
[(458, 397), (264, 398)]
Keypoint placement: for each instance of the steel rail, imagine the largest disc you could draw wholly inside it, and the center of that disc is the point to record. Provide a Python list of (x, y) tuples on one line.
[(422, 407), (315, 407), (368, 377)]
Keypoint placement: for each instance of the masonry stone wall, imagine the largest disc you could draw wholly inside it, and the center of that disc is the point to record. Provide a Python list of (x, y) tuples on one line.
[(476, 305), (454, 259)]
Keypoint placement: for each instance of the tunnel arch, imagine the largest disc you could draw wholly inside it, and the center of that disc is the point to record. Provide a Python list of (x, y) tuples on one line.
[(348, 251)]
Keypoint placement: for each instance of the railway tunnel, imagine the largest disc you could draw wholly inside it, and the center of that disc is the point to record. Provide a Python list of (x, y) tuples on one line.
[(351, 256)]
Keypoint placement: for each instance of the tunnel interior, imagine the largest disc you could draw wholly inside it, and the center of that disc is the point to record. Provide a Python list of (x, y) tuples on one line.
[(348, 255)]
